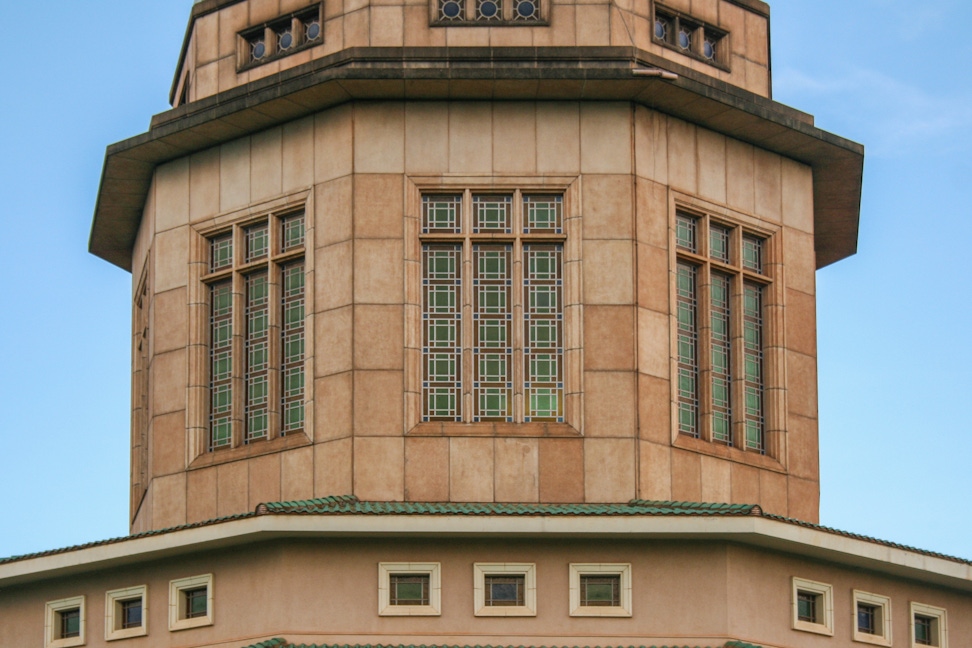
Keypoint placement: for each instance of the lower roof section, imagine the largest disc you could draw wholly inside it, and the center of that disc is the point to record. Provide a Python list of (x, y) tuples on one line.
[(482, 74), (347, 517), (280, 642)]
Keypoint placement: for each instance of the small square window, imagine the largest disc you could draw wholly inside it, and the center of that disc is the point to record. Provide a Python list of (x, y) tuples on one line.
[(600, 589), (64, 623), (409, 589), (505, 589), (928, 626), (813, 606), (126, 613), (191, 602), (872, 618)]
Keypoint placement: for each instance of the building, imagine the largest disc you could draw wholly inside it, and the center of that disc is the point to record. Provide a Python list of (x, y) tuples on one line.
[(476, 323)]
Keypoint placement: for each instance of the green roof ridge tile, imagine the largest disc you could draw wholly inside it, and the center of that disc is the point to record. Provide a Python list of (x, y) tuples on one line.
[(283, 643)]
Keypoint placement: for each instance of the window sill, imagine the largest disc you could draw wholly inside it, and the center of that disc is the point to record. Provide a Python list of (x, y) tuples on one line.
[(215, 457), (445, 429), (726, 452)]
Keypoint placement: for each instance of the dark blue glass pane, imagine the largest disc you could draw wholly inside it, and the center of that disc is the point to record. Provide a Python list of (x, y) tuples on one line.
[(526, 9), (259, 50), (451, 9), (286, 41), (683, 40), (488, 9), (504, 591), (313, 31), (659, 29)]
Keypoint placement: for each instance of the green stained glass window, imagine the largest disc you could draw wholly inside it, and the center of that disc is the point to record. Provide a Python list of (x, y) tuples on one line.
[(753, 253), (221, 252), (542, 214), (441, 214), (688, 396), (257, 241), (197, 602), (600, 590), (924, 630), (807, 605), (504, 590), (685, 232), (70, 623), (719, 243), (492, 214), (292, 232), (442, 379), (409, 589)]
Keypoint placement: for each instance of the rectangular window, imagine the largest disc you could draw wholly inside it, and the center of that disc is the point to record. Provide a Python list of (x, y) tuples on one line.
[(64, 623), (600, 589), (256, 331), (69, 623), (281, 37), (125, 613), (493, 341), (191, 602), (813, 606), (872, 618), (505, 589), (720, 288), (929, 626), (691, 37), (409, 589)]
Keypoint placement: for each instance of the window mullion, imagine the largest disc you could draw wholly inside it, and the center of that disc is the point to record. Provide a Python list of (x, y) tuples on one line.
[(466, 319), (516, 299), (275, 351), (704, 350), (737, 363)]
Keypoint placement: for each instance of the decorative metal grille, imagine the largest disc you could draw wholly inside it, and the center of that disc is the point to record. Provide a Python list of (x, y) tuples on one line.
[(441, 321), (543, 347), (221, 364), (720, 294), (409, 589), (257, 356), (753, 363), (292, 335), (600, 590), (492, 332), (504, 590), (688, 355)]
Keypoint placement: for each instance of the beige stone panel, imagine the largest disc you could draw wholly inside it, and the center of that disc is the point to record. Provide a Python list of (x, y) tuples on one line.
[(379, 337), (470, 470), (333, 264), (609, 470), (200, 495), (773, 492), (654, 409), (171, 259), (417, 32), (333, 463), (287, 6), (653, 278), (516, 470), (334, 337), (757, 78), (800, 261), (263, 10), (707, 10), (168, 443), (621, 26), (169, 501), (378, 206), (387, 24), (803, 458), (144, 238), (266, 164), (740, 181), (333, 398), (427, 469), (801, 373), (610, 404), (561, 470), (232, 20), (467, 37), (264, 476), (379, 407), (745, 484), (205, 36), (733, 20), (334, 9), (379, 465), (608, 272), (803, 500), (609, 337), (426, 142), (168, 382), (234, 174), (686, 476), (712, 165), (607, 206), (716, 479), (333, 144), (797, 195), (298, 154), (514, 136), (593, 24), (605, 131), (228, 76), (169, 313), (654, 343), (378, 271), (801, 322), (651, 145), (654, 471), (511, 37), (204, 184), (205, 81), (333, 206), (757, 39), (379, 137), (172, 195), (470, 137), (558, 137), (231, 488), (354, 5), (682, 156), (652, 213), (563, 30), (297, 474), (333, 33), (768, 185)]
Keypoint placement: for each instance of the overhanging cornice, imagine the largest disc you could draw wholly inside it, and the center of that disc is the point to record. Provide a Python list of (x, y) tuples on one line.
[(530, 74)]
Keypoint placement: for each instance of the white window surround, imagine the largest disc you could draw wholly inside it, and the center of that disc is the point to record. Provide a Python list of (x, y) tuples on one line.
[(430, 569), (52, 622), (939, 632), (113, 618), (529, 573), (825, 609), (882, 635), (600, 569), (178, 619)]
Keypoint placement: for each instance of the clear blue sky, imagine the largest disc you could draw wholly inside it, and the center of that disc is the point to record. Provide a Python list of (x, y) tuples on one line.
[(894, 321)]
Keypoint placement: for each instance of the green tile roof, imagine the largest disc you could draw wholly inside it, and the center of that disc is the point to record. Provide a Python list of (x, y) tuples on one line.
[(282, 643), (351, 505)]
